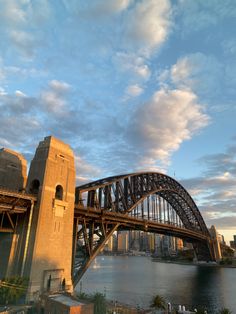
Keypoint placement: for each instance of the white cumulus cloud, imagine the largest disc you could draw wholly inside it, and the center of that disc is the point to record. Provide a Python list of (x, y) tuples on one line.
[(134, 90), (53, 99), (160, 126), (130, 62), (198, 72), (148, 24)]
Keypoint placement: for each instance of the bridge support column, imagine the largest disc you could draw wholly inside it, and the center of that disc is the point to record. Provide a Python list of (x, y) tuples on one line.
[(49, 242), (215, 243), (13, 169)]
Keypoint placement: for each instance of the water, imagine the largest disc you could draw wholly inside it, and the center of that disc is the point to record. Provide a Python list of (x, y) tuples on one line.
[(134, 280)]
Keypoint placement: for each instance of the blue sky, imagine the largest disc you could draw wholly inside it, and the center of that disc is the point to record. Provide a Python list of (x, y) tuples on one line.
[(131, 85)]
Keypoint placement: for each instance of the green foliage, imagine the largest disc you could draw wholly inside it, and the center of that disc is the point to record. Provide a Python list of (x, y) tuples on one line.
[(226, 261), (224, 311), (12, 289), (99, 303), (201, 311), (98, 299), (158, 302), (83, 296)]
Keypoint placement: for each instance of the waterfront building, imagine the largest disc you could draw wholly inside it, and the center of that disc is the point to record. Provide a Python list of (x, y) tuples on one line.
[(109, 246), (233, 243), (221, 238), (123, 242), (143, 242), (179, 244), (151, 242), (158, 245), (165, 245), (134, 240)]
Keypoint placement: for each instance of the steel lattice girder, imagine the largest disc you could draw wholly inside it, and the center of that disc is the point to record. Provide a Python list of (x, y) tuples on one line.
[(110, 201), (12, 204), (122, 193)]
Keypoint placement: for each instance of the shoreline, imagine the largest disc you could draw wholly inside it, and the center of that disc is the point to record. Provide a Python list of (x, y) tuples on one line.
[(179, 262), (157, 260)]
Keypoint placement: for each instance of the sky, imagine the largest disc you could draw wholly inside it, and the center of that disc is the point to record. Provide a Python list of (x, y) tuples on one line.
[(131, 85)]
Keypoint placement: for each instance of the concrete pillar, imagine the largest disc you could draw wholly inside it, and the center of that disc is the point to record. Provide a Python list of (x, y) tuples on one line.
[(49, 244), (215, 243), (13, 169)]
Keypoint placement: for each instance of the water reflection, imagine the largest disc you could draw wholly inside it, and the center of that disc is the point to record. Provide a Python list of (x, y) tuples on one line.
[(207, 288), (134, 280)]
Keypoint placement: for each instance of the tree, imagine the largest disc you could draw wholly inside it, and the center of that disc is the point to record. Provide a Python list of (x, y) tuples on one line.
[(99, 303), (158, 302), (224, 311), (98, 299), (12, 289)]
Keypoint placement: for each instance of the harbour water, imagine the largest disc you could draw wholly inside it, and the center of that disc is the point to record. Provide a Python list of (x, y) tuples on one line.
[(134, 280)]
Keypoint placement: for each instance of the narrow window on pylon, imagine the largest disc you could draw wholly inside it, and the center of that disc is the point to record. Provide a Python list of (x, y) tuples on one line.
[(59, 192)]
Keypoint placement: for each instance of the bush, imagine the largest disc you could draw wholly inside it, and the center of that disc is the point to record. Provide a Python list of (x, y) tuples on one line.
[(99, 303), (224, 311), (158, 302), (98, 299), (12, 289)]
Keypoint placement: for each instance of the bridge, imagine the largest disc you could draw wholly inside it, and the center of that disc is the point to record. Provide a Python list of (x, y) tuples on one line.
[(51, 231)]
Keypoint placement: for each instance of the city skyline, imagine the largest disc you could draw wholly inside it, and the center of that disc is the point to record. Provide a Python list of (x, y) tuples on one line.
[(131, 86)]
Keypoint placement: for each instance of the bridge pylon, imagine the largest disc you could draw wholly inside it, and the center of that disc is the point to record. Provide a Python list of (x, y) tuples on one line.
[(215, 243), (48, 245), (13, 169)]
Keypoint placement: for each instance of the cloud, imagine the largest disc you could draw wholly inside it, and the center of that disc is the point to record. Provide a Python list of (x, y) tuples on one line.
[(130, 62), (214, 191), (7, 72), (199, 14), (23, 41), (53, 99), (134, 90), (159, 127), (96, 9), (20, 20), (2, 73), (201, 73), (102, 7), (148, 24), (229, 47), (85, 172), (24, 116), (12, 12)]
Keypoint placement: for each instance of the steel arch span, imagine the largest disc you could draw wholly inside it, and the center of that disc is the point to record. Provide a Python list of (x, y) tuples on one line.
[(147, 201)]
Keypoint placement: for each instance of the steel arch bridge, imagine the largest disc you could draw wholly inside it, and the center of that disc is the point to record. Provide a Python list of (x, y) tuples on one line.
[(147, 201)]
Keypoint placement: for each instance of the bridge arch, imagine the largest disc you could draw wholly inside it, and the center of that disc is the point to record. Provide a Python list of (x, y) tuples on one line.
[(116, 200), (122, 193)]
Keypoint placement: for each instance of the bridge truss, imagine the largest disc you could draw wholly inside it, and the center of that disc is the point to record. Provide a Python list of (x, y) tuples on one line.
[(149, 201), (12, 205)]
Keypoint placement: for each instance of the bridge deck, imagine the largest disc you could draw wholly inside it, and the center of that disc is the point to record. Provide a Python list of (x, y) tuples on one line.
[(14, 201), (130, 223)]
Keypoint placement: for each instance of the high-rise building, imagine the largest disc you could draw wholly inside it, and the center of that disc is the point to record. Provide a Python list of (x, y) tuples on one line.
[(165, 245), (134, 240), (158, 244), (109, 245), (123, 242), (151, 242), (233, 243), (179, 244)]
